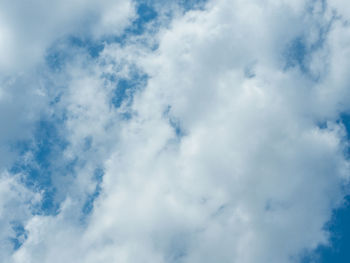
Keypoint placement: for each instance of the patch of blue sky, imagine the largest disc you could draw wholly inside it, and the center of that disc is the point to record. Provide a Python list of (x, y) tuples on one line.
[(58, 55), (93, 47), (19, 235), (338, 250), (38, 161), (42, 171), (89, 204), (126, 88), (299, 51), (339, 227), (187, 5), (55, 59), (64, 50), (174, 123), (145, 14), (345, 120), (296, 53), (193, 4)]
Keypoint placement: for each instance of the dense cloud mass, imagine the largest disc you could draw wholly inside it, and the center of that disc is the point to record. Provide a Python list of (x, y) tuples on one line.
[(133, 131)]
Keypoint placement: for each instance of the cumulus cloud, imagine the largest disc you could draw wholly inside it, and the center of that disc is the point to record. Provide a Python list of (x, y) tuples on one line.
[(29, 28), (28, 31), (217, 135), (15, 208)]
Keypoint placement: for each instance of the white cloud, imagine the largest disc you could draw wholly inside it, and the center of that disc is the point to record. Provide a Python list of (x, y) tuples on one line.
[(30, 28), (27, 31), (15, 203), (253, 178)]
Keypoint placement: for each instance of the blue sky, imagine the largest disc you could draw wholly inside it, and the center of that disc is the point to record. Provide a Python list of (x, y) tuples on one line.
[(177, 131)]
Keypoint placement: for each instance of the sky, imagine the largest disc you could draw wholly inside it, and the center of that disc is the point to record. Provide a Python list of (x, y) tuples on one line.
[(179, 131)]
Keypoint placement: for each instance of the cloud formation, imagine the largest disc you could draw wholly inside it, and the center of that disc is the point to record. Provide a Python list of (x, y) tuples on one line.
[(28, 29), (213, 135)]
